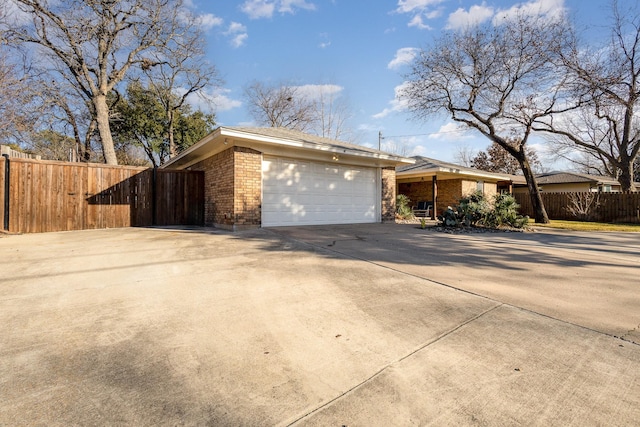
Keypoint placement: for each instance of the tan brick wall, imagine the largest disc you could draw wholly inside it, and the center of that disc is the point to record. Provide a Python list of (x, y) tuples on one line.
[(248, 188), (233, 188), (388, 194), (449, 193), (218, 188), (421, 191)]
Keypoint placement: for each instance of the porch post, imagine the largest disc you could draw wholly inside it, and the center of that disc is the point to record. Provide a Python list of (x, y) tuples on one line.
[(434, 191)]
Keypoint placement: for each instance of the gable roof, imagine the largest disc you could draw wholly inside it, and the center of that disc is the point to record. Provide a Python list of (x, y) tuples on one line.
[(428, 166), (281, 141), (573, 177)]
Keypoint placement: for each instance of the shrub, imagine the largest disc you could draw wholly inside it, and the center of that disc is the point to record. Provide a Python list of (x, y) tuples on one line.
[(403, 210), (505, 213), (475, 209)]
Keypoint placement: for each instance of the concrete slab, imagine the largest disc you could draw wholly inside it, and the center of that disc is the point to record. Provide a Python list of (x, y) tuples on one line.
[(203, 327), (590, 279)]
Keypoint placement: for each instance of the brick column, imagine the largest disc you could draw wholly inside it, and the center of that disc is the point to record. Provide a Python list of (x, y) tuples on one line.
[(388, 205), (247, 198)]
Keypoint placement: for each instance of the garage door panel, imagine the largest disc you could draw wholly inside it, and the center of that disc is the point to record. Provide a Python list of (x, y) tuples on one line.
[(304, 193)]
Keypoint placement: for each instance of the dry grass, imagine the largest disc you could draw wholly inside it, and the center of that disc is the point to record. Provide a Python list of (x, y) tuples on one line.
[(590, 226)]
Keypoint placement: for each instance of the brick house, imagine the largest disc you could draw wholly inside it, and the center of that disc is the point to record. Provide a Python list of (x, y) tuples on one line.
[(442, 184), (266, 177)]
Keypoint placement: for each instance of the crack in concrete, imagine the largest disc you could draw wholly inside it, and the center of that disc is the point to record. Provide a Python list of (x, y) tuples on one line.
[(392, 363)]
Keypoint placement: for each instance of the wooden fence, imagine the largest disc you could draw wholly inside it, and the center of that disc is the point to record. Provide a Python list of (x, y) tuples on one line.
[(606, 207), (41, 196)]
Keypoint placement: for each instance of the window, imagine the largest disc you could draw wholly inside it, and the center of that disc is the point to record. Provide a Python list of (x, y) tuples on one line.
[(480, 186)]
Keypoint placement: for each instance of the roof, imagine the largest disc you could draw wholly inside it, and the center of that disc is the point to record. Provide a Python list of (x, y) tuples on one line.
[(427, 166), (281, 141), (573, 177)]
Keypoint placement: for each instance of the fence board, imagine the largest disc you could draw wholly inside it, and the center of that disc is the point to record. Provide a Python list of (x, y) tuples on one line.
[(57, 196), (611, 207), (2, 183)]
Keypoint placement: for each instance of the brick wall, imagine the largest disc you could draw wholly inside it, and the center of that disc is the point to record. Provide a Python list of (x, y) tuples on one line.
[(388, 194), (420, 191), (248, 189), (218, 188), (233, 188), (449, 191)]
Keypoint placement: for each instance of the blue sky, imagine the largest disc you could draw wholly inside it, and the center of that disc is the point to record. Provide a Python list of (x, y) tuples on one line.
[(360, 48)]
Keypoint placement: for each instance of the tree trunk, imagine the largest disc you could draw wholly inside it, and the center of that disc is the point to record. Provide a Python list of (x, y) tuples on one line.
[(102, 119), (626, 177), (173, 151), (539, 212)]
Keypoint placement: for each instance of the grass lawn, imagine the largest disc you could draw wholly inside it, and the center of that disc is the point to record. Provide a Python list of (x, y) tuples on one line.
[(590, 226)]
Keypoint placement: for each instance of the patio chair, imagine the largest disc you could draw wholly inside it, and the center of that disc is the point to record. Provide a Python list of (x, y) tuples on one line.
[(423, 209)]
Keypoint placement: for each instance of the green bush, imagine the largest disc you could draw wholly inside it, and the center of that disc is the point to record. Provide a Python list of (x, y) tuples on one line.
[(505, 213), (475, 209), (403, 210)]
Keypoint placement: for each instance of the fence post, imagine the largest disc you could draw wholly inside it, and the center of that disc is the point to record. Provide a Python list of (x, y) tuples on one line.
[(6, 201), (154, 196)]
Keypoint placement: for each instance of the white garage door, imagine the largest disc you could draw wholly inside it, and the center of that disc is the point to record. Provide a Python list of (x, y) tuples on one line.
[(298, 192)]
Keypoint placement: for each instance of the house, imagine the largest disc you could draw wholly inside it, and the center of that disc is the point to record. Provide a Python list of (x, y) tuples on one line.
[(442, 184), (266, 177), (572, 182)]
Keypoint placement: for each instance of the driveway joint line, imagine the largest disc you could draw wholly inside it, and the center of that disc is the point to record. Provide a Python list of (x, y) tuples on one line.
[(331, 249), (395, 362)]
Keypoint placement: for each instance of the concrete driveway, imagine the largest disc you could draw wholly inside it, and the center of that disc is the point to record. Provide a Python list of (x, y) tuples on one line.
[(348, 325)]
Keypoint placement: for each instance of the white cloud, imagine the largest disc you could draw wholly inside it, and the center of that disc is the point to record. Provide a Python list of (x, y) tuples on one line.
[(411, 6), (420, 9), (403, 56), (476, 14), (451, 132), (288, 6), (325, 41), (417, 22), (208, 21), (396, 105), (315, 91), (217, 98), (549, 9), (257, 9), (237, 33)]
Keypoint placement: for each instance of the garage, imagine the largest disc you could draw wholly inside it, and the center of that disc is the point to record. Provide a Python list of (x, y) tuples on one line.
[(271, 177), (299, 192)]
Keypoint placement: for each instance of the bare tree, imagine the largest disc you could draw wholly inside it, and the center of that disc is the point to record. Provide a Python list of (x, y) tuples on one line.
[(332, 114), (496, 79), (607, 129), (177, 73), (464, 155), (97, 43), (317, 109), (280, 105)]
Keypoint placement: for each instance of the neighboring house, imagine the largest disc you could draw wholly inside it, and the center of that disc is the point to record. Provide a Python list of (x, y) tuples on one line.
[(447, 181), (571, 182), (266, 177)]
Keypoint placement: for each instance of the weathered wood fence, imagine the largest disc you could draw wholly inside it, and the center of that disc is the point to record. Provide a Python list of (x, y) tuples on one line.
[(42, 196), (606, 207)]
